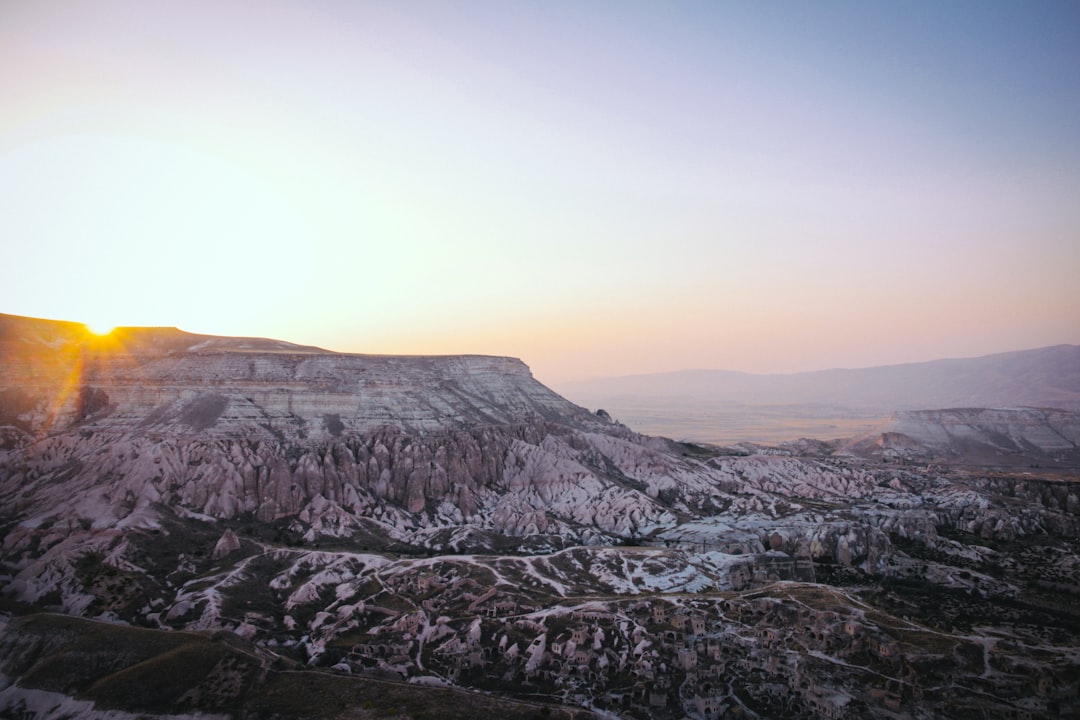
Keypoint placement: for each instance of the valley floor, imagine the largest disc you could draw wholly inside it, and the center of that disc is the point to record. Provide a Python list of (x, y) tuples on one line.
[(687, 622)]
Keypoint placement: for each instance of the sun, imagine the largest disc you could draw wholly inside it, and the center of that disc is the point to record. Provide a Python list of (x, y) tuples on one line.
[(99, 328)]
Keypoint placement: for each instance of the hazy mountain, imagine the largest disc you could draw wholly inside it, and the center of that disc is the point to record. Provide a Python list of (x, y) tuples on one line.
[(1047, 377), (728, 406), (451, 521)]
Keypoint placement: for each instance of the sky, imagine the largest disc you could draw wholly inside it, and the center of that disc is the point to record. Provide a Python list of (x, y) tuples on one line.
[(598, 188)]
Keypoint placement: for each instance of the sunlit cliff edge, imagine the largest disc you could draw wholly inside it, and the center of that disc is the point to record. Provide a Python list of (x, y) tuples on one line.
[(163, 380)]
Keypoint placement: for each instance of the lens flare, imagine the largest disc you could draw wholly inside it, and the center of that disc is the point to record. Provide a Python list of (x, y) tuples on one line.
[(100, 329)]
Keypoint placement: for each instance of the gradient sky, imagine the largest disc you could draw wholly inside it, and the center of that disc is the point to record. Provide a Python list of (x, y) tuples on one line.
[(599, 188)]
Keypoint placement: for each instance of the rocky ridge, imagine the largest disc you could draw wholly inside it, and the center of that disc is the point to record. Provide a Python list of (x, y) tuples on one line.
[(166, 382), (999, 436)]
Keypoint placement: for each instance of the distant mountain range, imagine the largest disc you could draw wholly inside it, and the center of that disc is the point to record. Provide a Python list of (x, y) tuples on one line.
[(726, 405), (1044, 377)]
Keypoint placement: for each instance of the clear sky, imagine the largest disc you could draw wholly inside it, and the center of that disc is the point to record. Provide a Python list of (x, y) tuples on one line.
[(599, 188)]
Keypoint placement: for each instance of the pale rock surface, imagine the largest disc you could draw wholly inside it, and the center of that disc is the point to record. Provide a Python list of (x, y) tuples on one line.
[(228, 543), (980, 435)]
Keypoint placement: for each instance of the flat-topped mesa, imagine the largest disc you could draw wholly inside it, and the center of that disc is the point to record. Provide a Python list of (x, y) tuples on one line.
[(314, 395), (163, 380)]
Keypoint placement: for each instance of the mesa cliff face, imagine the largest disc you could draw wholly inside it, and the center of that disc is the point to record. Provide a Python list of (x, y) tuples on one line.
[(163, 381)]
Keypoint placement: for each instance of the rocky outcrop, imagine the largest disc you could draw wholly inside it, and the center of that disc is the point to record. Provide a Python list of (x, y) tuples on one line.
[(1006, 430), (1001, 436), (227, 544)]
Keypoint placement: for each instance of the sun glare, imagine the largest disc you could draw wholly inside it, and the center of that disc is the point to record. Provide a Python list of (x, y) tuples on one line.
[(99, 329)]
